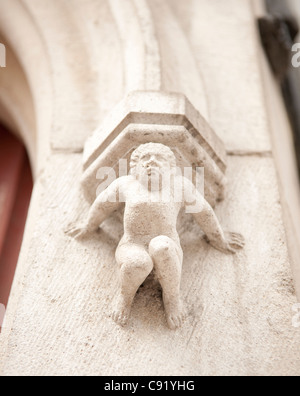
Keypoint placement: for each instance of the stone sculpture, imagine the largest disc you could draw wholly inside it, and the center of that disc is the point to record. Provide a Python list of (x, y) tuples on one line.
[(154, 193)]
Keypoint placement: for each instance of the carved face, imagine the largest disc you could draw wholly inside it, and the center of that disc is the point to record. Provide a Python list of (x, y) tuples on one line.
[(152, 158), (151, 162)]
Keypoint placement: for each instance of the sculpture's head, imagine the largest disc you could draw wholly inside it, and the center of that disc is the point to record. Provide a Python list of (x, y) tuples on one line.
[(152, 158)]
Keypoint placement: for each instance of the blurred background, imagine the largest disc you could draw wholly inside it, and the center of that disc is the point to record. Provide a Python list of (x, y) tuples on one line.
[(15, 192), (279, 31)]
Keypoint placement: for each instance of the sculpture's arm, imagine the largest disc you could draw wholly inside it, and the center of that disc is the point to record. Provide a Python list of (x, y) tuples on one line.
[(209, 223), (105, 204)]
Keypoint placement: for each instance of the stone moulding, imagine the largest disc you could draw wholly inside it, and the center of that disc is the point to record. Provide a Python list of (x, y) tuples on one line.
[(166, 118)]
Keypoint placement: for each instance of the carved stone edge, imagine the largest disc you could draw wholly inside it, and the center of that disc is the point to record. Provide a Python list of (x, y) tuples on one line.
[(155, 108), (166, 118)]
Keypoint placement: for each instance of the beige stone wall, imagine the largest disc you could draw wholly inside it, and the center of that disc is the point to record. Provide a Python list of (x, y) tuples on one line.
[(295, 7), (80, 58)]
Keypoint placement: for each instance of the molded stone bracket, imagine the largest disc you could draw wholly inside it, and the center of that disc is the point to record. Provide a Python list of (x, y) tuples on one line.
[(167, 118)]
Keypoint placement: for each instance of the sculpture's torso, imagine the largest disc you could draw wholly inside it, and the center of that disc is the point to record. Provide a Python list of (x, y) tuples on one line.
[(149, 214)]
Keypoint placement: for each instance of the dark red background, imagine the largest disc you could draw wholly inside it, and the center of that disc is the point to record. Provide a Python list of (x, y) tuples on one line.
[(15, 193)]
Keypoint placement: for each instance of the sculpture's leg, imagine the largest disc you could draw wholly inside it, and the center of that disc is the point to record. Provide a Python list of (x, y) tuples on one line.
[(136, 265), (167, 257)]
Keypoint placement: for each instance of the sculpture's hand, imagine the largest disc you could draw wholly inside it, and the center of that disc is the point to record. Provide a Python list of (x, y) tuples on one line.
[(79, 232), (230, 244)]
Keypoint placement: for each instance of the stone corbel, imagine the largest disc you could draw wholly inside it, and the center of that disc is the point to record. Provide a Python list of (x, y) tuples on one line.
[(166, 118)]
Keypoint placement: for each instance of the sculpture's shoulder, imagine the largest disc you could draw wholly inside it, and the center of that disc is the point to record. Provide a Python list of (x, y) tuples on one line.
[(185, 184), (192, 195)]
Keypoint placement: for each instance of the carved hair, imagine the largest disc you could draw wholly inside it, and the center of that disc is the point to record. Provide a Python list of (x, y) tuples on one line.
[(157, 148)]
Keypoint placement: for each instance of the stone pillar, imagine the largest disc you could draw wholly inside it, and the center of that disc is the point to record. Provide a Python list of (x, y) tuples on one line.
[(80, 59)]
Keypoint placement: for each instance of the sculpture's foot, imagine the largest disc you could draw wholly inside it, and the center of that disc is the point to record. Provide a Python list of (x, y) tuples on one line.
[(175, 313), (122, 312)]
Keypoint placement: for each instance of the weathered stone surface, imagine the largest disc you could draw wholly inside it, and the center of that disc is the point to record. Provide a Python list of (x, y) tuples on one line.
[(229, 68), (240, 316)]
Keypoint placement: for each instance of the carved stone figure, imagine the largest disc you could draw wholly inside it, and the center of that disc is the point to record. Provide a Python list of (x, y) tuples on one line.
[(154, 193)]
